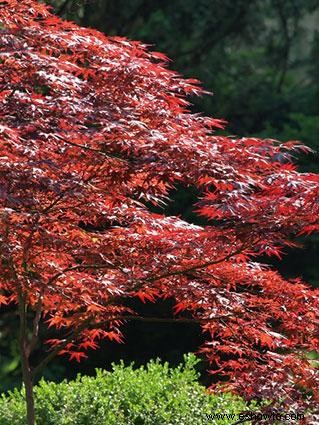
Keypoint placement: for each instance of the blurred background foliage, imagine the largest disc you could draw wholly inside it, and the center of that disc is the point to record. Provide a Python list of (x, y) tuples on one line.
[(261, 60)]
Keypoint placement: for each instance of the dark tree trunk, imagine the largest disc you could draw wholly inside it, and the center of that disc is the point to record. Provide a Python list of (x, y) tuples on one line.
[(25, 362), (28, 385)]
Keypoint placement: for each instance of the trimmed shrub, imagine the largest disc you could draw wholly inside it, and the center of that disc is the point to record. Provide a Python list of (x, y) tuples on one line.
[(151, 395)]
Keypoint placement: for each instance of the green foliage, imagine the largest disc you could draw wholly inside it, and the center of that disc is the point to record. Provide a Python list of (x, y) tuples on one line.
[(151, 395), (10, 372), (299, 127), (259, 57)]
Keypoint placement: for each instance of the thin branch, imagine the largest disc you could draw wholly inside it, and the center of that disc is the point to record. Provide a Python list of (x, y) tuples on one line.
[(286, 48), (62, 9), (199, 266), (53, 203), (23, 321), (64, 192), (56, 351), (157, 320), (151, 279), (161, 319), (36, 322), (86, 325), (93, 150), (208, 42), (78, 267)]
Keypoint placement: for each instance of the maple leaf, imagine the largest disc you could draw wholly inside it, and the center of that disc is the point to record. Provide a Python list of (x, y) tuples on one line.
[(3, 299), (179, 307), (114, 336), (88, 344), (144, 296), (77, 355), (56, 321)]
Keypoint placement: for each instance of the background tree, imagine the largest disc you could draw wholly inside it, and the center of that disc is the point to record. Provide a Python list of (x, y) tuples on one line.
[(259, 54)]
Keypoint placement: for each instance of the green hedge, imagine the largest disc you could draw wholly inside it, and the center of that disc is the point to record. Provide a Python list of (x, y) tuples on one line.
[(151, 395)]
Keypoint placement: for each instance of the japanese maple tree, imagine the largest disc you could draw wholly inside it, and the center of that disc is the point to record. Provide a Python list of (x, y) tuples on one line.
[(93, 129)]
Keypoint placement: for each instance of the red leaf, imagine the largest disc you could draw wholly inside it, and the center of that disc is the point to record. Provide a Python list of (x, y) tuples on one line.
[(77, 355)]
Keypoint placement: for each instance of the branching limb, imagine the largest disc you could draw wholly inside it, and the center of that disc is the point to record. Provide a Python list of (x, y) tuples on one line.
[(88, 324), (107, 265), (36, 322), (64, 343), (198, 267), (93, 150)]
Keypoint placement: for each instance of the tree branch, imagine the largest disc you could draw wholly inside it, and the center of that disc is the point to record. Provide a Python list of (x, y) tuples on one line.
[(200, 266), (93, 150), (60, 11), (208, 42), (36, 322), (158, 320), (87, 325), (56, 351), (286, 47), (80, 266), (95, 325)]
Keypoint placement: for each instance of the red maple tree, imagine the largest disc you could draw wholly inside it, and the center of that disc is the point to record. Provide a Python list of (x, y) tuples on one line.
[(92, 130)]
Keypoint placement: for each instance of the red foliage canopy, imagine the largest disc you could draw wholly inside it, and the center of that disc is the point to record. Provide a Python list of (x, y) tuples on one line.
[(92, 129)]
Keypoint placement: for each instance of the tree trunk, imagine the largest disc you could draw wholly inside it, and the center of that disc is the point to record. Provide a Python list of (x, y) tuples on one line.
[(28, 385), (25, 363)]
